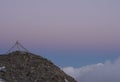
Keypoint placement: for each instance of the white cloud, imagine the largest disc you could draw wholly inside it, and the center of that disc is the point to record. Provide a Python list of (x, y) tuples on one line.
[(101, 72)]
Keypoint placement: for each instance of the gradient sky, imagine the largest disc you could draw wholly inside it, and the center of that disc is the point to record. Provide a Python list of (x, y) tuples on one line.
[(82, 31)]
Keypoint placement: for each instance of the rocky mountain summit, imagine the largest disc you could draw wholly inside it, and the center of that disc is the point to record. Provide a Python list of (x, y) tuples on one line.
[(21, 66)]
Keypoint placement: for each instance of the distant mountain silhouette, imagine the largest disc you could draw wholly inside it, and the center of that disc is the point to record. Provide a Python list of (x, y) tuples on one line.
[(21, 66)]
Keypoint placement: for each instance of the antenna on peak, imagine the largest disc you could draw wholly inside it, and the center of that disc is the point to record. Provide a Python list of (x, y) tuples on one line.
[(17, 47)]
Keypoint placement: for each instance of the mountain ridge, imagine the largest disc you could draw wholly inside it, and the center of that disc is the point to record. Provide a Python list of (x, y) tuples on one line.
[(21, 66)]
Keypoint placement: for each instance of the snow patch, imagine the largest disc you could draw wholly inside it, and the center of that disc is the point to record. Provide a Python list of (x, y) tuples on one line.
[(1, 80), (2, 68), (66, 80)]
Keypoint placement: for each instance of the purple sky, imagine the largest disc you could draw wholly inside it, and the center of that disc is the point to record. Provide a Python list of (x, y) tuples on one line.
[(61, 25)]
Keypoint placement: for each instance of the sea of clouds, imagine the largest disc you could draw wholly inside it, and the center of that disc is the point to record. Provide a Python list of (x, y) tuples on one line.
[(101, 72)]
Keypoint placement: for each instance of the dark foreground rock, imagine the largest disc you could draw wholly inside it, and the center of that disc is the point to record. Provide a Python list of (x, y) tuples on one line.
[(20, 66)]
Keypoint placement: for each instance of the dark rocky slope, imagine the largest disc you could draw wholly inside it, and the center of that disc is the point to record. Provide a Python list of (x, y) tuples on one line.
[(21, 66)]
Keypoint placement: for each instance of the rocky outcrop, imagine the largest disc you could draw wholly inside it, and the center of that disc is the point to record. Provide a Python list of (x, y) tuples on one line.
[(21, 66)]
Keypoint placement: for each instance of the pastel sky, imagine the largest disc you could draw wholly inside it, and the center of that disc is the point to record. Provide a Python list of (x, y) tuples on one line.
[(88, 31)]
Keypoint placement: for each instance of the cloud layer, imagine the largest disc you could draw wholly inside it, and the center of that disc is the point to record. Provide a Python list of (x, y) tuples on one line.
[(101, 72)]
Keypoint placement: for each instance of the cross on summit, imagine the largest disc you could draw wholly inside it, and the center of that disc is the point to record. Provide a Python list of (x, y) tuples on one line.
[(17, 47)]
